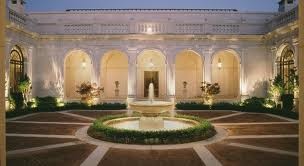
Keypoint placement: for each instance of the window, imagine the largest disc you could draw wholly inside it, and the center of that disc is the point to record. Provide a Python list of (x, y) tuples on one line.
[(285, 63), (16, 68), (14, 1), (289, 1)]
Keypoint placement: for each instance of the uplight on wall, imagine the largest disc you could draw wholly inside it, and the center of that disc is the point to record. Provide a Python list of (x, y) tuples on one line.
[(83, 63), (219, 64), (149, 30)]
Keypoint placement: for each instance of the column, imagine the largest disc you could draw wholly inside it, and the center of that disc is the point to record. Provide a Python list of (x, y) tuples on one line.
[(207, 65), (171, 76), (296, 52), (273, 61), (243, 78), (2, 84), (132, 73), (301, 75)]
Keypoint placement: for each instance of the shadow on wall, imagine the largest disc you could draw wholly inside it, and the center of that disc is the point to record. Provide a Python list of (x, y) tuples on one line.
[(260, 89)]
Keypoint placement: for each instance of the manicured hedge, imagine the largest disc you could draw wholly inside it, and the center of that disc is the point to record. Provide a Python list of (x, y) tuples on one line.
[(253, 104), (49, 104), (103, 132)]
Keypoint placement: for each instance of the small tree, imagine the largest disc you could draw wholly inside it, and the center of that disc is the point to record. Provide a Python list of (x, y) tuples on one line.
[(24, 87), (209, 90), (276, 89)]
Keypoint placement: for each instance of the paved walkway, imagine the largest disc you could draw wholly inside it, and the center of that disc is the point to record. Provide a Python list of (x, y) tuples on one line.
[(60, 139)]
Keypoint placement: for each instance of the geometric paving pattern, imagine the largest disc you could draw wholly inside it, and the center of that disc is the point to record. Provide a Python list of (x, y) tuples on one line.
[(253, 139)]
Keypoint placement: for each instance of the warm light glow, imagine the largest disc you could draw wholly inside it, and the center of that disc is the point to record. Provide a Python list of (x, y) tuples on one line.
[(219, 64), (151, 63), (149, 30), (83, 63)]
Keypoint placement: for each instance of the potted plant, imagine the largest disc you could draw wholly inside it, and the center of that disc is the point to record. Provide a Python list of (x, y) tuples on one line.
[(209, 90), (89, 92)]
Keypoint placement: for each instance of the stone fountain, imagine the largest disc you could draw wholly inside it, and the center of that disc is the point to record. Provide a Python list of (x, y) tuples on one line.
[(150, 119), (151, 108), (150, 111)]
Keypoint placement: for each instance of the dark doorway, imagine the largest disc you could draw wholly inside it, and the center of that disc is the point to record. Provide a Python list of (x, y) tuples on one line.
[(151, 76)]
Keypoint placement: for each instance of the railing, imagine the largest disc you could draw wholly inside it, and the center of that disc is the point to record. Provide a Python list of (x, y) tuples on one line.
[(283, 19), (16, 18)]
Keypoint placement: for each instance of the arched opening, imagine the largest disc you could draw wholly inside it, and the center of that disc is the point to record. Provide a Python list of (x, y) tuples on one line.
[(151, 67), (77, 70), (285, 63), (114, 74), (226, 72), (188, 74), (16, 67)]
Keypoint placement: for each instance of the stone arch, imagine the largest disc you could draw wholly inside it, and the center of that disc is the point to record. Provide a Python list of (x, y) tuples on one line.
[(189, 69), (113, 68), (285, 61), (17, 60), (226, 71), (151, 64), (77, 70)]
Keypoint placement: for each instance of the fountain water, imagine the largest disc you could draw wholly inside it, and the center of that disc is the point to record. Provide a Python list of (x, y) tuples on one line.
[(151, 92)]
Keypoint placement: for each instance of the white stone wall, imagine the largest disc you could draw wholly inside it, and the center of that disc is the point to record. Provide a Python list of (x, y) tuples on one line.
[(249, 35)]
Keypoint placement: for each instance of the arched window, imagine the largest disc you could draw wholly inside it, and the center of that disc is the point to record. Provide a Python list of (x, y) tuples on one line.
[(285, 63), (16, 68)]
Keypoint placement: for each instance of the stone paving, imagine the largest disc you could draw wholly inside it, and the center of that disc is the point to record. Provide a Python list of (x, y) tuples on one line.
[(248, 139)]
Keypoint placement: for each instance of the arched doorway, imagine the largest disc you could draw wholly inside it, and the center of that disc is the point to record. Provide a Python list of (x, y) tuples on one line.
[(285, 63), (16, 67), (188, 74), (151, 67), (114, 74), (226, 72), (77, 70)]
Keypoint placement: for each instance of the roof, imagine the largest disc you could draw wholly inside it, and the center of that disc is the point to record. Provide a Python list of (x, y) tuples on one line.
[(153, 10)]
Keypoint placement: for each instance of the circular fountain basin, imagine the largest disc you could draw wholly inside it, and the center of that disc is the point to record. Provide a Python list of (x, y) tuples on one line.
[(151, 123), (148, 108)]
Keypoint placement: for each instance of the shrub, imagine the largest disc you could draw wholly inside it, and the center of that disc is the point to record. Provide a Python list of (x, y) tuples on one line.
[(100, 131), (192, 106), (254, 104), (46, 103), (16, 100), (287, 100), (225, 106)]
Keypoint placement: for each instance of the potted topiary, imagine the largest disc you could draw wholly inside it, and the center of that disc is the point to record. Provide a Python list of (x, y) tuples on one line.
[(89, 92), (209, 90)]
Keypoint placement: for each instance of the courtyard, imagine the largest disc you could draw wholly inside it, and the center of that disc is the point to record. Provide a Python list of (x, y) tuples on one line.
[(59, 138)]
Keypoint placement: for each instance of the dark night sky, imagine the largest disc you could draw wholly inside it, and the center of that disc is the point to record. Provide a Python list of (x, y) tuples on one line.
[(242, 5)]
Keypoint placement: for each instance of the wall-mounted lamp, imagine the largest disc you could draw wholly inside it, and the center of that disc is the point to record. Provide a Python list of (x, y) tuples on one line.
[(83, 63), (219, 64), (151, 63)]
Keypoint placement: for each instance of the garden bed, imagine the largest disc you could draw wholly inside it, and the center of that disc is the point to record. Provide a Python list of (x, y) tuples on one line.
[(203, 130)]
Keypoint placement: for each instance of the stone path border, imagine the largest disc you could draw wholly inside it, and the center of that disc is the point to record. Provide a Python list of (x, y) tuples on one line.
[(82, 135), (262, 136), (59, 123), (206, 156), (39, 135), (226, 116), (95, 157), (283, 118), (253, 123), (264, 149), (21, 117), (75, 115), (21, 151)]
